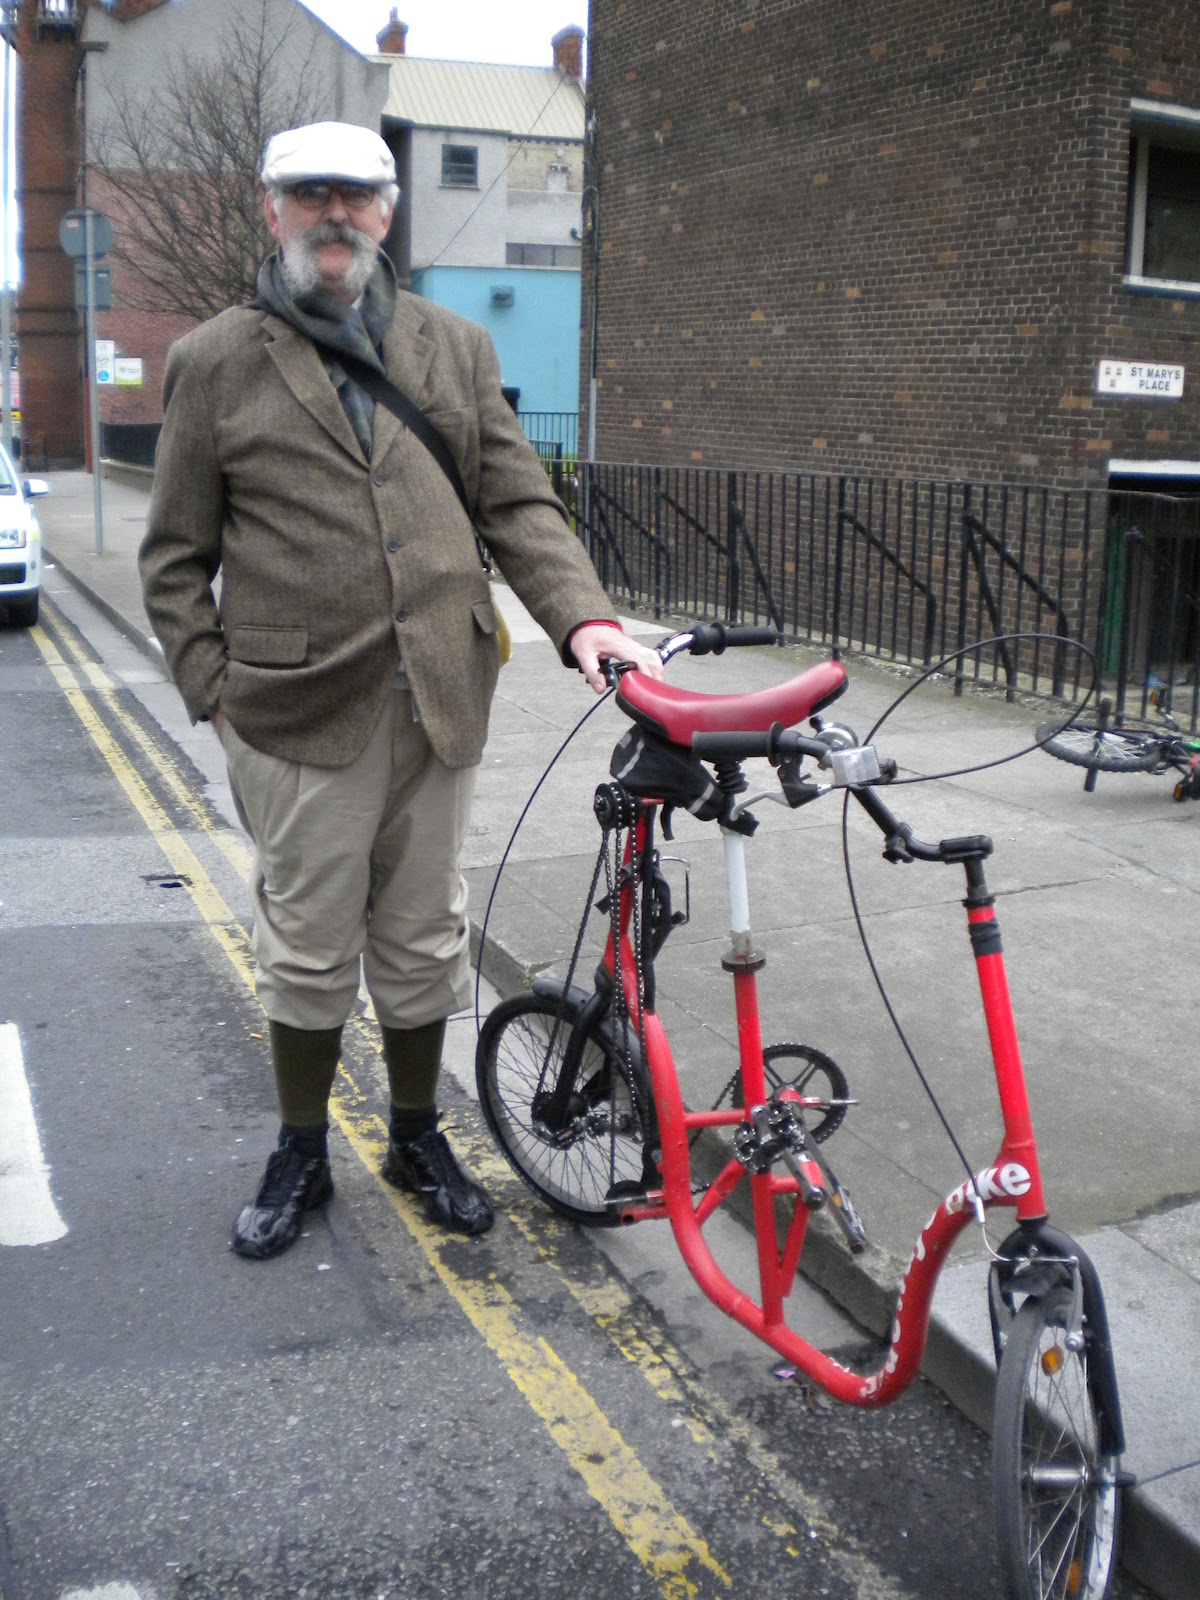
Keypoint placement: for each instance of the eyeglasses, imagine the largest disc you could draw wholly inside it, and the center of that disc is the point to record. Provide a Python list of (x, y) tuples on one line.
[(315, 196)]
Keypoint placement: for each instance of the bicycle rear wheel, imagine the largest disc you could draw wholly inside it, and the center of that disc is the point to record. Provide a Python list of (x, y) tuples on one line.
[(573, 1143), (1084, 744), (1056, 1494)]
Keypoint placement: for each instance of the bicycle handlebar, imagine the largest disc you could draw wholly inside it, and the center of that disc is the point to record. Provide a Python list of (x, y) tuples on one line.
[(702, 639), (712, 638), (781, 745)]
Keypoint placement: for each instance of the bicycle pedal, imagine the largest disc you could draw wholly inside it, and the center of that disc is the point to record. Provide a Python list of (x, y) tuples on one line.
[(845, 1213)]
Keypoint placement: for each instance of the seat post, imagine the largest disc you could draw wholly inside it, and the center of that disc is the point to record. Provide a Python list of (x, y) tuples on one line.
[(744, 962)]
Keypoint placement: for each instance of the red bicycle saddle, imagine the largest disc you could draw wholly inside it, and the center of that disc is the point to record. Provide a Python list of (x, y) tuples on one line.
[(676, 714)]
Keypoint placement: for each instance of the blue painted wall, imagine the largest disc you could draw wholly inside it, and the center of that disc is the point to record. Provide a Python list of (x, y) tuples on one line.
[(536, 338)]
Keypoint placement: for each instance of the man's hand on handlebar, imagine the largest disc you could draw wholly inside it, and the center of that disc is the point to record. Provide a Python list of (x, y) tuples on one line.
[(598, 642)]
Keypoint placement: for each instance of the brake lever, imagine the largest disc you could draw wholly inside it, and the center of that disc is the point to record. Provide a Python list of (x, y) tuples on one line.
[(798, 788)]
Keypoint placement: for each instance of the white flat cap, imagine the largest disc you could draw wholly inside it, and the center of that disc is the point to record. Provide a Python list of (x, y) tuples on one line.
[(327, 150)]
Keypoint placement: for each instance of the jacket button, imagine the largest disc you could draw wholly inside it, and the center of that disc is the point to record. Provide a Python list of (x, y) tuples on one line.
[(393, 545), (402, 615), (377, 479)]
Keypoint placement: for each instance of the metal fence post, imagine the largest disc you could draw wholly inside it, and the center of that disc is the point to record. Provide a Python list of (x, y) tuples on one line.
[(838, 566), (657, 541), (963, 567), (732, 574)]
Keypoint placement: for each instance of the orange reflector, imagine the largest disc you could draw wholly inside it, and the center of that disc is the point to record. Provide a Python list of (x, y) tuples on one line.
[(1052, 1361), (1074, 1573)]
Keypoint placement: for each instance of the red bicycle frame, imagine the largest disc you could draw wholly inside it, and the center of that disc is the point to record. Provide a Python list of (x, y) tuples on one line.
[(1013, 1180)]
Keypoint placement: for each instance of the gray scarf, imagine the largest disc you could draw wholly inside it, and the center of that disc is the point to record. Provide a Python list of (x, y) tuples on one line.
[(359, 330)]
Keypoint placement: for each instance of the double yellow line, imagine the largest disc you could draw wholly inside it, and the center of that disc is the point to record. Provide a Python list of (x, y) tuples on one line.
[(669, 1548)]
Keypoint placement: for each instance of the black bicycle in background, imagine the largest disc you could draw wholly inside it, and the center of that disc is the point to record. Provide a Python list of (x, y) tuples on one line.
[(1103, 746)]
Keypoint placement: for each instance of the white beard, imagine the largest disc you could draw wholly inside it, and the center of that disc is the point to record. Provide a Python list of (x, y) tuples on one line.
[(301, 272)]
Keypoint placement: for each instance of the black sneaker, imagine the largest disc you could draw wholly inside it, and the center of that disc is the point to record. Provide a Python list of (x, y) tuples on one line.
[(426, 1165), (292, 1184)]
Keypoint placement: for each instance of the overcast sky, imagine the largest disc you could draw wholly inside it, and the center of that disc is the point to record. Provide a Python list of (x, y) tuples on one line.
[(517, 32)]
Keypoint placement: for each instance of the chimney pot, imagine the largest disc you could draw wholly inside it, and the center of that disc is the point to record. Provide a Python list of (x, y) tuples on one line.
[(568, 51), (391, 39)]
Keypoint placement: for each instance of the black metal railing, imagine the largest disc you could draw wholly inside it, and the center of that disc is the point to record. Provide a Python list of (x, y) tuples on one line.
[(553, 434), (132, 444), (915, 570)]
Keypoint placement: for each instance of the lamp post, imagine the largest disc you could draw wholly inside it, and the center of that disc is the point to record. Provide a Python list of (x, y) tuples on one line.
[(8, 21), (87, 48), (591, 223)]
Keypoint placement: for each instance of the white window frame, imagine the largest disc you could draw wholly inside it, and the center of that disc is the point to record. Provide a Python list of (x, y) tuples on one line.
[(1148, 118)]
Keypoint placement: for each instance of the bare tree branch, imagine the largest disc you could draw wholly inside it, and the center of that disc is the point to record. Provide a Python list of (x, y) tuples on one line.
[(183, 160)]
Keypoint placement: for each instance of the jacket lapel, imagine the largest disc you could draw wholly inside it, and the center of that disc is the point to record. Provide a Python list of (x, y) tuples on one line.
[(407, 358), (303, 371)]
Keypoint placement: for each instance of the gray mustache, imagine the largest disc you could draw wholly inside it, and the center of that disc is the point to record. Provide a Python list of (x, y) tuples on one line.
[(335, 233)]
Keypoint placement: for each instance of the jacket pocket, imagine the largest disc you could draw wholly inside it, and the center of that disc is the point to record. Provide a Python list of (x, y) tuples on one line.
[(265, 646)]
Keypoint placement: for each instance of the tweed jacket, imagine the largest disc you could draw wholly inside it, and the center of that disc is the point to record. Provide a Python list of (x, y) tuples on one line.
[(331, 566)]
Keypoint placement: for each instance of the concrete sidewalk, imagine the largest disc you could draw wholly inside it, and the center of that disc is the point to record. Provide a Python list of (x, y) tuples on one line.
[(1098, 901)]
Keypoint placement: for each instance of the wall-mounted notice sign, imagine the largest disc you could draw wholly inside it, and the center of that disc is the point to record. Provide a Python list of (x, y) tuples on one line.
[(1148, 378)]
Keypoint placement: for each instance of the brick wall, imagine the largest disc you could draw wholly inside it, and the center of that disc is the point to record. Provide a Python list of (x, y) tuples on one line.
[(52, 415), (881, 235)]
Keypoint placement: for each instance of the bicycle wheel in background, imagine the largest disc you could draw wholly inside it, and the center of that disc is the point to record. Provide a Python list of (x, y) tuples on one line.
[(601, 1136), (1083, 744), (1056, 1494)]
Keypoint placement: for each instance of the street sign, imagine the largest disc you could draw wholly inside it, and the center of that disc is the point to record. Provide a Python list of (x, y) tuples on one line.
[(128, 370), (72, 234), (103, 290), (1153, 379)]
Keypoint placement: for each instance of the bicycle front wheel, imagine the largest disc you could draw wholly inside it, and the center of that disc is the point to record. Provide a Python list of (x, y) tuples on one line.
[(572, 1142), (1056, 1494), (1083, 744)]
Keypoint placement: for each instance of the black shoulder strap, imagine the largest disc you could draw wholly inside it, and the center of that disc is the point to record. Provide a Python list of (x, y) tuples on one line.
[(386, 393)]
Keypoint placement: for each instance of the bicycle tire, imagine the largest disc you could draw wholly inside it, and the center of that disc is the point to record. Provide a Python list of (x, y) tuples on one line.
[(1084, 744), (1056, 1495), (575, 1170)]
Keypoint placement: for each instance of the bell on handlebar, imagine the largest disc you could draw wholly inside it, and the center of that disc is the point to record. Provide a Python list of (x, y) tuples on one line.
[(837, 735)]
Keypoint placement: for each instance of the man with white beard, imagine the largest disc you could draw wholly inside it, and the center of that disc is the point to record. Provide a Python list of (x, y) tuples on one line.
[(350, 664)]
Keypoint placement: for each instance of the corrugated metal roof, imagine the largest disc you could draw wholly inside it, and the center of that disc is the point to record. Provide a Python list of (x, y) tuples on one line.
[(537, 102)]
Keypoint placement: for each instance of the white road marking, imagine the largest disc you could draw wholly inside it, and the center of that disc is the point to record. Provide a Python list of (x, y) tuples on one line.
[(106, 1591), (28, 1214)]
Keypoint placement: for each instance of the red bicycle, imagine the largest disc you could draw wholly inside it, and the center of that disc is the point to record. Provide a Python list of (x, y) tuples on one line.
[(580, 1089)]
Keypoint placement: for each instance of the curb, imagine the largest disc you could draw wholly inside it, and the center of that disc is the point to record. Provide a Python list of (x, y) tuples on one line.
[(145, 643)]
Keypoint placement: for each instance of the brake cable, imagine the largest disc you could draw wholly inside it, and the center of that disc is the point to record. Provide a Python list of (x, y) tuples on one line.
[(512, 839), (983, 766)]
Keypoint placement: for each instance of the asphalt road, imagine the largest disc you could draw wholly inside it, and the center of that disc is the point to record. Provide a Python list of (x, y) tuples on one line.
[(384, 1411)]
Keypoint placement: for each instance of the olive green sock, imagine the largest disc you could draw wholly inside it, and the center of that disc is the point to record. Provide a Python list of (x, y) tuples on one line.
[(413, 1057), (305, 1062)]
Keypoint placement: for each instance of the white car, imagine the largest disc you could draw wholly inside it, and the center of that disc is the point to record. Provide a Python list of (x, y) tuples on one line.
[(20, 545)]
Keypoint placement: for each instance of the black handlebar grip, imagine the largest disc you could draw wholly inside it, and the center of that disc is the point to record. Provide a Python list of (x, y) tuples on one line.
[(778, 744), (730, 746), (715, 637)]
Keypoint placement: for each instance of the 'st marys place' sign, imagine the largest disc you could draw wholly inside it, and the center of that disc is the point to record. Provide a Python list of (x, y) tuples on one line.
[(1148, 378)]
